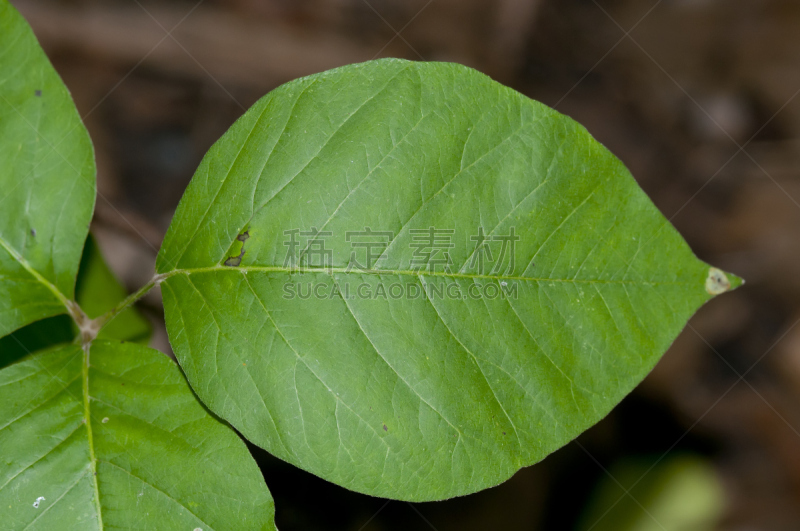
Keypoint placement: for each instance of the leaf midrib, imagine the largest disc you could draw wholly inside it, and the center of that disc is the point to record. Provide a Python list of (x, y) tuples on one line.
[(87, 415), (30, 269), (402, 272)]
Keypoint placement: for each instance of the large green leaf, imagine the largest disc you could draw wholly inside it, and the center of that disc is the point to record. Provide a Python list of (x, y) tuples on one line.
[(118, 441), (419, 397), (97, 292), (47, 180)]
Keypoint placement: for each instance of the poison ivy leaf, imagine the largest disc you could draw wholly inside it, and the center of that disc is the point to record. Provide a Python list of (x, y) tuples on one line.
[(412, 281), (118, 441), (97, 292), (47, 180)]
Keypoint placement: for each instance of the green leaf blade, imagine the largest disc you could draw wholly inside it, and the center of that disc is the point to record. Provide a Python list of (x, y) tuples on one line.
[(419, 397), (47, 178), (160, 459)]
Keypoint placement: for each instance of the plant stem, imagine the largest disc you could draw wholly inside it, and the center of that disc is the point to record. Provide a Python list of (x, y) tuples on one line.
[(132, 299)]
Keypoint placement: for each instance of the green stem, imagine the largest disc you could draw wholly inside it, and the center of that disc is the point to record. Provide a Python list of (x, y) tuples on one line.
[(132, 299)]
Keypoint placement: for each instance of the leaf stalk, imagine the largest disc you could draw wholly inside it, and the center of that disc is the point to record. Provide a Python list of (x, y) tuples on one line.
[(98, 323)]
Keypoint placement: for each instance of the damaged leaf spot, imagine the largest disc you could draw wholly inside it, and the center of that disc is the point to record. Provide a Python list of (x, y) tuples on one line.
[(38, 93), (717, 282), (39, 500), (235, 261)]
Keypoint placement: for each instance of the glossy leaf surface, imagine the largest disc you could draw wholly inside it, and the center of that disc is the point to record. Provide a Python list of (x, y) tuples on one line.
[(503, 358)]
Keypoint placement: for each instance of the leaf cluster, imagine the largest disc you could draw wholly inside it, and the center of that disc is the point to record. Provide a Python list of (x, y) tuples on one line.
[(502, 355)]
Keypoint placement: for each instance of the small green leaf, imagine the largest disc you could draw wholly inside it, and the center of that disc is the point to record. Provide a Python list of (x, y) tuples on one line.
[(47, 180), (97, 292), (115, 439), (436, 370), (640, 494)]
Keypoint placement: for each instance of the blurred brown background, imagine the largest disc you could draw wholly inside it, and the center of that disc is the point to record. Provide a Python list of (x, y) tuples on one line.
[(697, 97)]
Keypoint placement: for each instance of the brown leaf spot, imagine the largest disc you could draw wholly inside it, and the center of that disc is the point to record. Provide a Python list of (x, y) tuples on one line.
[(235, 261)]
